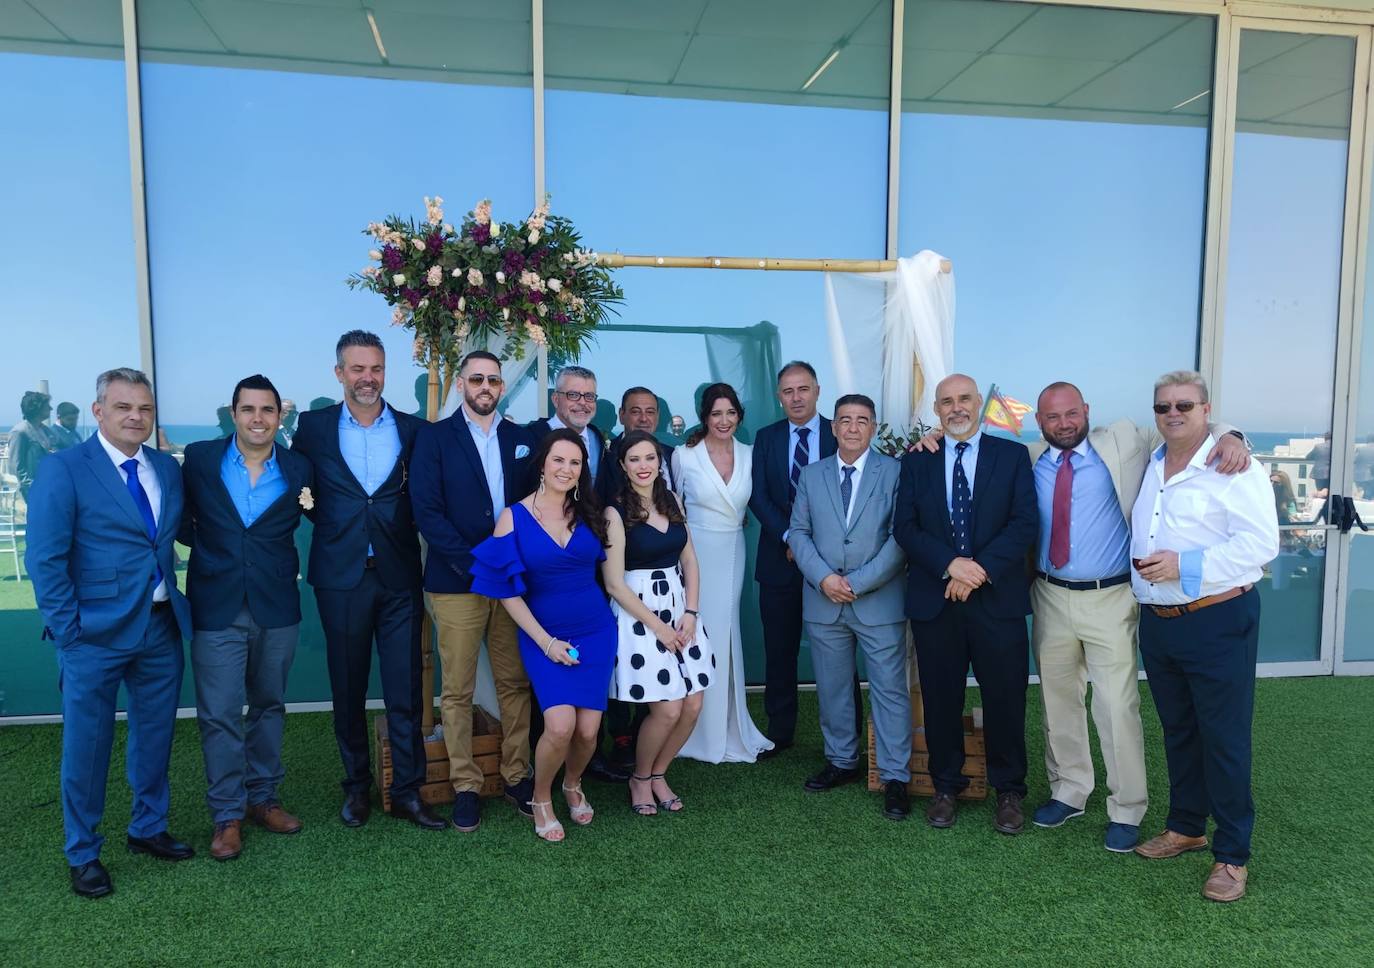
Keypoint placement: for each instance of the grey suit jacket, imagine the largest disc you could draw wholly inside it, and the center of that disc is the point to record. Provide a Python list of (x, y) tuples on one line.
[(865, 552)]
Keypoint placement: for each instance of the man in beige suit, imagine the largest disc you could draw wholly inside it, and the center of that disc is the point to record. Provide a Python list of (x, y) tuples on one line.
[(1085, 614)]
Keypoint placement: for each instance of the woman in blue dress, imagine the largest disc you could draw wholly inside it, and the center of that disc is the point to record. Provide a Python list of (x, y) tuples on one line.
[(541, 561)]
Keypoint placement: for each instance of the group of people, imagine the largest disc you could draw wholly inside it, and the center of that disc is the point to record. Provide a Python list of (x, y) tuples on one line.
[(605, 578), (33, 438)]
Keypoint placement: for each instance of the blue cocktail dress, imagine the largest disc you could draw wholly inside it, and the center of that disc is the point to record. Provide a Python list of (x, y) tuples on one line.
[(559, 585)]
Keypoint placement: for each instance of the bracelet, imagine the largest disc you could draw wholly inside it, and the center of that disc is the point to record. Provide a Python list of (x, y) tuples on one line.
[(549, 645), (692, 612)]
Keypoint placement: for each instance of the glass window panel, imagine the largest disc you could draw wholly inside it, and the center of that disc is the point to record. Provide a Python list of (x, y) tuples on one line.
[(273, 133), (69, 310), (1358, 644)]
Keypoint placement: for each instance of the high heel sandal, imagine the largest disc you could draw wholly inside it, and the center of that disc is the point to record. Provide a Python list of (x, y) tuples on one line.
[(672, 804), (582, 813), (643, 809), (546, 831)]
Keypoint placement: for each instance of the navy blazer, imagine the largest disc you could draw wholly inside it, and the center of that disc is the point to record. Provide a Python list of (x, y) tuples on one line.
[(347, 518), (539, 429), (449, 494), (770, 501), (93, 565), (611, 479), (231, 564), (1006, 524)]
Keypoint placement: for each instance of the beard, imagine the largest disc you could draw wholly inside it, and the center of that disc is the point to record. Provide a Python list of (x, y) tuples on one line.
[(1070, 441), (365, 394), (482, 405)]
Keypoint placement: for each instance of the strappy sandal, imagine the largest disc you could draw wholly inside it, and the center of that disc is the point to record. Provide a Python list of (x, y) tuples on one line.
[(643, 809), (672, 804), (582, 813), (551, 832)]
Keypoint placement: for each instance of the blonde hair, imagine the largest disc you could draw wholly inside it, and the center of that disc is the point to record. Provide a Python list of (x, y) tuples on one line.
[(1183, 378)]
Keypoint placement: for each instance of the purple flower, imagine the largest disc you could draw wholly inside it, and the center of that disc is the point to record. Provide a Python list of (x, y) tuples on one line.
[(392, 258), (536, 296), (560, 317), (481, 234), (504, 299), (435, 241), (412, 296), (512, 263)]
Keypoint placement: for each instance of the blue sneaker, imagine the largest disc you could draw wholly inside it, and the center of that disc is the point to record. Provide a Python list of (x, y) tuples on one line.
[(467, 812), (1053, 813), (1122, 837)]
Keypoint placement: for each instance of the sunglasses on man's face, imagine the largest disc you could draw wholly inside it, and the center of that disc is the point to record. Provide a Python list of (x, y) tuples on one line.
[(475, 381), (1182, 406)]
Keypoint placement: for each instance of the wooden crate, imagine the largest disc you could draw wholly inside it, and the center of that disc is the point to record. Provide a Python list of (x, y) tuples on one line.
[(921, 785), (486, 751)]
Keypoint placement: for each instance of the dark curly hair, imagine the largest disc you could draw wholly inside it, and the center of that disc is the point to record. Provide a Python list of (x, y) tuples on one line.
[(585, 508), (631, 506), (709, 396)]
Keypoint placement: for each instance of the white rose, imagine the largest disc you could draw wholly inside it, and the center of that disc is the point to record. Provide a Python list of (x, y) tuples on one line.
[(543, 309), (474, 276), (462, 303), (423, 304), (448, 229), (534, 237), (500, 276), (374, 255), (435, 275), (495, 229), (419, 243), (457, 273), (555, 284), (505, 313), (398, 279)]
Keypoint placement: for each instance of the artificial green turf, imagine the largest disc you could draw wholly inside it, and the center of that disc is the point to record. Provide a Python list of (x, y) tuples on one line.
[(754, 871)]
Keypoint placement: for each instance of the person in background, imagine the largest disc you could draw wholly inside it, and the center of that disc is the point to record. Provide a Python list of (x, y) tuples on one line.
[(245, 609), (677, 427), (1285, 499), (30, 439), (289, 415), (64, 433), (102, 521)]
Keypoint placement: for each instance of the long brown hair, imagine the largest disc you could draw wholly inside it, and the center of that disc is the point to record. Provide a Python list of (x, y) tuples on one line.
[(585, 508), (631, 505), (709, 396)]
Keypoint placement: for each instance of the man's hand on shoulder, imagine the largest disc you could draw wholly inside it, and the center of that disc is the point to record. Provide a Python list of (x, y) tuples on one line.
[(930, 443), (1230, 454)]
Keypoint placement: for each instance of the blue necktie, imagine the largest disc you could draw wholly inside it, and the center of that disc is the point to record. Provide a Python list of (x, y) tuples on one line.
[(846, 490), (961, 507), (145, 507), (800, 458)]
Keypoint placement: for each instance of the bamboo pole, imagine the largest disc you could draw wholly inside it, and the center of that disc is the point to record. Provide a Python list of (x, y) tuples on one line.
[(427, 624), (615, 260)]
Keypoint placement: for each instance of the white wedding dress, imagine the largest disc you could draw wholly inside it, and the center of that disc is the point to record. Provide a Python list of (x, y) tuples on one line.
[(715, 518)]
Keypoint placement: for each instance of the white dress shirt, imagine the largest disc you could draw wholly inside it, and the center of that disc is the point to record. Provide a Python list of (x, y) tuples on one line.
[(593, 450), (151, 486), (1224, 528), (854, 479)]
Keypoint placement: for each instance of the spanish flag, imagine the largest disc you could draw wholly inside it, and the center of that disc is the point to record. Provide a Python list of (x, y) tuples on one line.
[(1000, 410)]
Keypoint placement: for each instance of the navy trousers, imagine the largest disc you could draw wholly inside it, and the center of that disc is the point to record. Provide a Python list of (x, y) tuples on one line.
[(89, 677), (1202, 675)]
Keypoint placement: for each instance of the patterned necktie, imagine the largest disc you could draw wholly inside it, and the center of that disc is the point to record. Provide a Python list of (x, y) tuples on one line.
[(961, 507), (145, 507), (1062, 507), (846, 490), (800, 458)]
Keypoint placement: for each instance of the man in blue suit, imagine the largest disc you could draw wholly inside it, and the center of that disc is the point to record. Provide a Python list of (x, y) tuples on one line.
[(102, 520), (365, 566), (966, 517), (244, 497)]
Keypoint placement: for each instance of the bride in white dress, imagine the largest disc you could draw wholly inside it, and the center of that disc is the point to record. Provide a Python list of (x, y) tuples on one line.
[(713, 475)]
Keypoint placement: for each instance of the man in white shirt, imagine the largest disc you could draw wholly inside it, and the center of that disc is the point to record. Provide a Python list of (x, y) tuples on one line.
[(1199, 543)]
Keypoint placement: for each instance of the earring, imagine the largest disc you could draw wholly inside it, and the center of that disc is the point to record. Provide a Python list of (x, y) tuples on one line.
[(541, 483), (576, 490)]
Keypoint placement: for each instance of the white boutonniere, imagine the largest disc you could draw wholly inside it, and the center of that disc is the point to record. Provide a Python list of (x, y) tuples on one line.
[(306, 499), (521, 450)]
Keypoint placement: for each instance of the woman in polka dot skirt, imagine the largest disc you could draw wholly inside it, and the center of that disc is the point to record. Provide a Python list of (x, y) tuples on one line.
[(663, 657)]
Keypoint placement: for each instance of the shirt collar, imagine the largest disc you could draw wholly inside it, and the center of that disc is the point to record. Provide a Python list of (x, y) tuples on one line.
[(557, 424), (237, 457), (1199, 458), (858, 464), (474, 426), (1081, 449), (813, 425), (117, 455), (346, 415), (972, 442)]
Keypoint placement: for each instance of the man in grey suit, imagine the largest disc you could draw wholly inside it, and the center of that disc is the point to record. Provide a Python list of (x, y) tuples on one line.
[(854, 571)]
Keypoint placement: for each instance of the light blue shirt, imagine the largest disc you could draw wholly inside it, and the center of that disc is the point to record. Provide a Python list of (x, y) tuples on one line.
[(371, 452), (250, 499), (813, 441), (970, 466), (1099, 539), (489, 453)]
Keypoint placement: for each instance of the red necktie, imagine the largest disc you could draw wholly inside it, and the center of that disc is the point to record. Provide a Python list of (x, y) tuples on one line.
[(1063, 503)]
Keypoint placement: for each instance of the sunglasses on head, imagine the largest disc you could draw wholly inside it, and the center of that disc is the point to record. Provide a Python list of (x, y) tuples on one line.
[(1182, 406), (491, 379)]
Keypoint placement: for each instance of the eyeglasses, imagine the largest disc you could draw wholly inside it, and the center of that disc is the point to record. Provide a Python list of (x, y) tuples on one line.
[(1182, 406), (492, 380), (574, 396)]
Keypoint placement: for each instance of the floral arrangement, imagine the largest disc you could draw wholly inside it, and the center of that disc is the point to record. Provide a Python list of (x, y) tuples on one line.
[(895, 443), (487, 284)]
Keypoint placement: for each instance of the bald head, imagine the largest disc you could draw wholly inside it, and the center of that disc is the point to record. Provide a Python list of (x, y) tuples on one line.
[(958, 405), (1062, 415)]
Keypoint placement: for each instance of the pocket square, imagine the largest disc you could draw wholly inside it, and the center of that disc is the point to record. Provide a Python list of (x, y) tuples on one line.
[(521, 450)]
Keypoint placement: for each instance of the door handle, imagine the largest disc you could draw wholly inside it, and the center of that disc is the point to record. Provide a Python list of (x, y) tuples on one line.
[(1350, 517)]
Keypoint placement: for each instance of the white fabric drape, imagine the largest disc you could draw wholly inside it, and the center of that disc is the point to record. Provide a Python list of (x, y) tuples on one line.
[(900, 318)]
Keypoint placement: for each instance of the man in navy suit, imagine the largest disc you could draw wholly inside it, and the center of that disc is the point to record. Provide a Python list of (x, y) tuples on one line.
[(102, 520), (781, 451), (966, 517), (365, 566), (466, 470), (244, 497)]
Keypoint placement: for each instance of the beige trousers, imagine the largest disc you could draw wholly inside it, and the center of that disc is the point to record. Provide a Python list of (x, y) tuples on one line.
[(1077, 635), (463, 621)]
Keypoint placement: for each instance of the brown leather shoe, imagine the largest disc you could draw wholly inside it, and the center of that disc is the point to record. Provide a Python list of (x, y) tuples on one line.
[(1225, 883), (1009, 818), (269, 814), (228, 840), (1170, 844), (940, 811)]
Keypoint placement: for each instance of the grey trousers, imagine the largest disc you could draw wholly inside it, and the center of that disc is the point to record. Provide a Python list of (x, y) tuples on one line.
[(244, 664), (832, 658)]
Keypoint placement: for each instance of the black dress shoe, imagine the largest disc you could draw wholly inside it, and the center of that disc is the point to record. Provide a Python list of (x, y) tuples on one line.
[(778, 749), (896, 801), (601, 769), (830, 777), (162, 845), (91, 880), (940, 812), (418, 813), (357, 807)]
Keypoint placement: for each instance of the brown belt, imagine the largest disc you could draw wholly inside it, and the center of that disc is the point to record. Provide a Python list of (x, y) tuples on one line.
[(1174, 611)]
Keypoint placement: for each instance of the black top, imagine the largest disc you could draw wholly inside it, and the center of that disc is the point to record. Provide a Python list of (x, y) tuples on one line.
[(648, 547)]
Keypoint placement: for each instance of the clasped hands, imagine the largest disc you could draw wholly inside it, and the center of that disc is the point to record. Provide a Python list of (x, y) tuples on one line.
[(965, 575), (677, 637), (837, 589)]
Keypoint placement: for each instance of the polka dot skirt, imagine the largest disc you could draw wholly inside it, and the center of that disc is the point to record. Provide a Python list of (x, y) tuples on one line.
[(645, 669)]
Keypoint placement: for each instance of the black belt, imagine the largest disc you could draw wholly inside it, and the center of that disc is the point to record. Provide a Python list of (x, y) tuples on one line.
[(370, 562), (1086, 586), (160, 606)]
